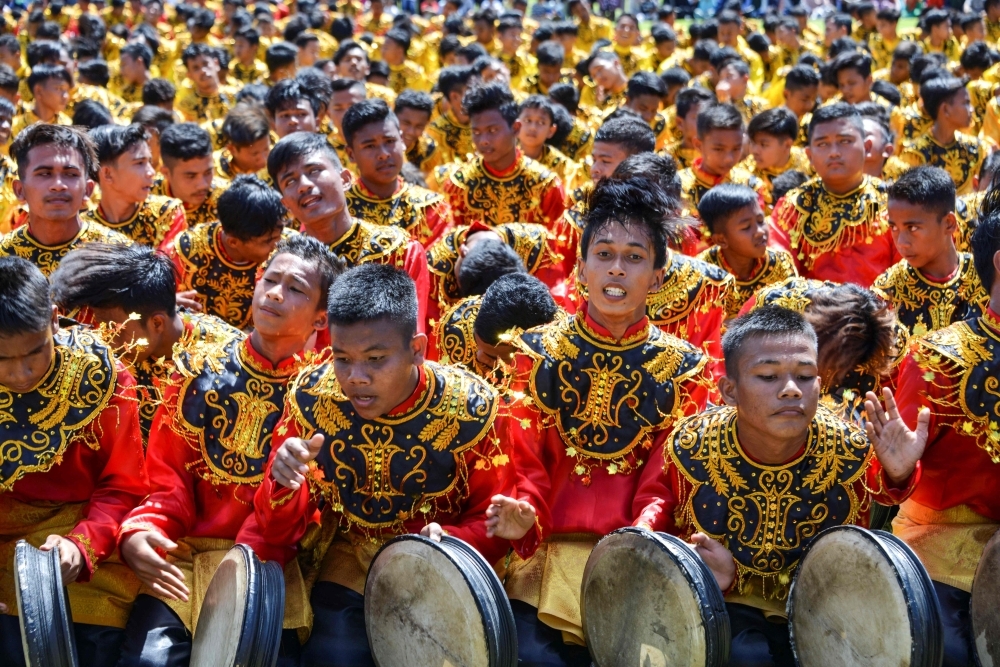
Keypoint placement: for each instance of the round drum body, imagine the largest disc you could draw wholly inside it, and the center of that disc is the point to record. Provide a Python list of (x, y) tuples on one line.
[(863, 598), (986, 605), (43, 608), (437, 603), (242, 613), (648, 599)]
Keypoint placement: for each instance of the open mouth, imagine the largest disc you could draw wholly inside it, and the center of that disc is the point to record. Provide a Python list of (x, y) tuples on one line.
[(309, 200), (614, 292)]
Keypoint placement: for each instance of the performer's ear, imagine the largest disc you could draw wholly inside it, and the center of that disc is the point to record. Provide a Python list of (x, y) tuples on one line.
[(727, 389), (418, 345)]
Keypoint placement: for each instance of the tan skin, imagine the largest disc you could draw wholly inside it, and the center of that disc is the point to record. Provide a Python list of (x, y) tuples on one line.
[(288, 310), (837, 152), (721, 150), (250, 251), (159, 330), (312, 189), (204, 74), (495, 139), (54, 186), (881, 148), (770, 151), (126, 182), (743, 240), (189, 180), (606, 158), (853, 87), (298, 117), (412, 123), (51, 98), (379, 152), (924, 238), (954, 115), (536, 128), (801, 102), (251, 158)]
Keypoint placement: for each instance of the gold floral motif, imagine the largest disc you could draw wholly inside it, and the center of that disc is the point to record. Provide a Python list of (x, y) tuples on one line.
[(961, 159), (407, 209), (512, 198), (690, 287), (453, 140), (366, 242), (775, 267), (454, 332), (20, 243), (423, 153), (149, 224)]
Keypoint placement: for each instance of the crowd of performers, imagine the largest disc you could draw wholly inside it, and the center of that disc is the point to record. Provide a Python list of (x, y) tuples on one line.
[(308, 278)]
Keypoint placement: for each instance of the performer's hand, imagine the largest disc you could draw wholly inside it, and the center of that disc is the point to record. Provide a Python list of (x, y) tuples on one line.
[(189, 300), (139, 552), (508, 518), (717, 557), (722, 91), (3, 608), (70, 558), (433, 531), (897, 447), (289, 468)]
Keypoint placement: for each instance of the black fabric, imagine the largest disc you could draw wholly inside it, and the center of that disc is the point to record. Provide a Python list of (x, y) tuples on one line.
[(155, 636), (539, 645), (757, 642), (339, 637), (956, 622), (96, 645)]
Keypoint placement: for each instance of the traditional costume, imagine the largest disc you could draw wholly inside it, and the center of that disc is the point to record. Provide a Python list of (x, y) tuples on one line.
[(156, 222), (20, 242), (453, 139), (423, 214), (204, 212), (774, 267)]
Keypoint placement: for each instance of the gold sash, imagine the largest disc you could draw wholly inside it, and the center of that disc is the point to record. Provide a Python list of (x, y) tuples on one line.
[(346, 562), (949, 543), (105, 600), (551, 581)]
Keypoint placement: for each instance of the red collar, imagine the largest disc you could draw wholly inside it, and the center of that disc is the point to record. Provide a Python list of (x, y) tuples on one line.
[(704, 175), (509, 170), (260, 361), (592, 324), (414, 398)]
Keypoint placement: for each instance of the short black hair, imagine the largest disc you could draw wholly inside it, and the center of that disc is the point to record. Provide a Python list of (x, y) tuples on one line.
[(158, 91), (7, 108), (907, 50), (842, 45), (986, 238), (8, 79), (193, 51), (977, 55), (471, 52), (253, 93), (452, 78), (929, 187), (251, 35), (659, 168), (374, 293), (688, 98), (184, 141), (887, 91), (152, 117), (365, 112), (636, 201), (969, 19), (139, 52), (401, 37), (485, 262), (113, 141), (859, 61), (44, 134), (783, 183), (704, 50), (491, 97), (890, 14), (662, 33), (43, 50), (770, 320), (934, 17), (566, 95), (675, 76), (541, 103), (645, 83), (879, 114), (989, 168), (935, 92), (631, 134), (280, 54), (288, 93), (777, 122), (312, 250), (316, 82), (25, 304), (513, 301), (91, 114), (250, 208), (723, 201), (719, 117), (840, 20), (416, 100), (550, 54), (346, 47), (133, 278), (245, 125), (297, 146), (41, 73), (94, 72), (305, 37), (834, 112)]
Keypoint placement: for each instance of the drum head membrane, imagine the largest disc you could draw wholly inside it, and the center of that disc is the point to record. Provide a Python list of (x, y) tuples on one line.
[(221, 621)]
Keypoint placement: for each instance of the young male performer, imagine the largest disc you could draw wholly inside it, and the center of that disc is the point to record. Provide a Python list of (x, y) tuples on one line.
[(207, 99), (835, 225), (309, 175), (219, 260), (56, 166), (391, 444), (451, 130), (500, 184), (66, 395), (772, 136), (189, 171), (125, 173), (600, 390), (933, 285), (375, 145), (753, 481), (209, 442)]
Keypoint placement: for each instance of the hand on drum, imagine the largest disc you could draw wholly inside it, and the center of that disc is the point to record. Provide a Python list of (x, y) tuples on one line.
[(509, 518), (189, 300), (70, 558), (433, 531), (140, 553), (290, 463), (897, 447), (717, 557)]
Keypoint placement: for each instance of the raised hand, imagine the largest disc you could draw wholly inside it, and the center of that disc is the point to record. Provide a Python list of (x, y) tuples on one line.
[(140, 553), (70, 558), (897, 447), (508, 518), (290, 463)]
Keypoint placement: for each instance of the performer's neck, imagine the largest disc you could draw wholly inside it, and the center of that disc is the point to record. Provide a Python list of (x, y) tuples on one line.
[(114, 209), (768, 448), (842, 187), (278, 348), (173, 333), (333, 229), (943, 266), (54, 232)]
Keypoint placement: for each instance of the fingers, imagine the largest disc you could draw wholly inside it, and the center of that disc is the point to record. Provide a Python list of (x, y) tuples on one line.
[(890, 404), (161, 542), (189, 300), (315, 444), (875, 412), (51, 542)]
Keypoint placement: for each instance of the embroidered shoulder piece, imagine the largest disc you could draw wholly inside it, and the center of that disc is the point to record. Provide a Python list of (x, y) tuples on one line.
[(422, 152), (766, 515), (229, 404), (19, 242), (378, 473), (923, 305), (366, 242), (225, 288), (775, 267), (608, 399), (38, 426), (961, 159), (690, 287), (967, 215), (961, 361), (151, 222), (511, 198), (794, 294), (207, 210), (405, 209), (820, 223), (454, 332)]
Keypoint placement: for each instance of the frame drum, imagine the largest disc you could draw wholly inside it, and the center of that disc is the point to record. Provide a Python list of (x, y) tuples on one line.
[(648, 599), (242, 614), (43, 608), (985, 604), (863, 598), (437, 604)]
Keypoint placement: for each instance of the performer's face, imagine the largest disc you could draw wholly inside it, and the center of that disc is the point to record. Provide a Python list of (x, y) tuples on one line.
[(837, 151), (297, 117), (412, 123), (190, 180), (130, 177), (720, 150), (495, 139), (922, 236), (312, 188), (54, 184), (744, 233), (775, 387), (606, 157), (378, 150), (25, 357), (287, 300), (252, 157), (376, 365)]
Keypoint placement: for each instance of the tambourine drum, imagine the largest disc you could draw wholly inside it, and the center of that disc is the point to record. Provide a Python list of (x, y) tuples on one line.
[(648, 599), (862, 597), (242, 613), (437, 604), (43, 608), (986, 605)]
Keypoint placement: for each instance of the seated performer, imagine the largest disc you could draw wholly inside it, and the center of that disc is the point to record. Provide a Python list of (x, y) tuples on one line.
[(732, 215), (580, 452), (451, 130), (933, 285), (771, 392), (414, 109), (206, 455), (955, 509), (835, 225), (54, 167), (207, 99), (772, 137), (307, 172), (500, 184), (219, 260), (290, 108), (375, 145), (64, 392), (377, 383), (690, 103), (49, 86), (125, 174), (247, 137), (189, 171)]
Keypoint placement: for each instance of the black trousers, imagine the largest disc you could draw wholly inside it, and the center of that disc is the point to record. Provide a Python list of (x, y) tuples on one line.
[(96, 645), (757, 642), (539, 645), (339, 637), (957, 624), (156, 637)]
